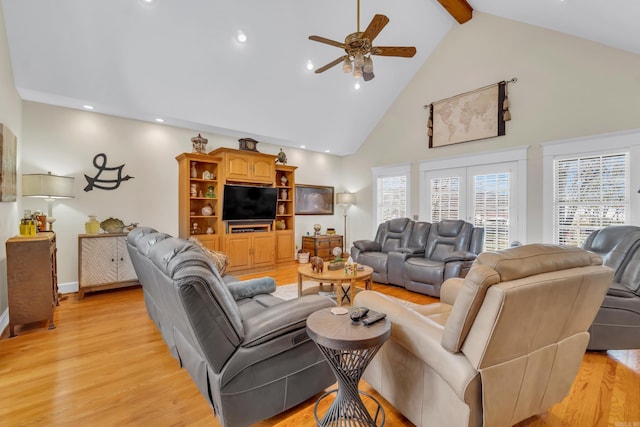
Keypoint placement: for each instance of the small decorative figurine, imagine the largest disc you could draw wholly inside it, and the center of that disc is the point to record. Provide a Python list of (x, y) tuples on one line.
[(317, 264), (210, 193), (283, 180), (316, 229), (281, 157), (199, 144)]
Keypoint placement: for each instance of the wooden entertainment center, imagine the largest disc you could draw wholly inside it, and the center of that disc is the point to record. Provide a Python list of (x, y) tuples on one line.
[(252, 246)]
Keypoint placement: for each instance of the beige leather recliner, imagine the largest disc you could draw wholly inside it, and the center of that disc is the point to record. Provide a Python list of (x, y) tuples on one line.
[(505, 343)]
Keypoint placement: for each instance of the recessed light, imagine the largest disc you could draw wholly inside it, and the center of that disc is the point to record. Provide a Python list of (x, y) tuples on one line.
[(309, 65), (159, 120), (147, 1), (356, 85), (241, 36), (303, 146), (327, 151), (88, 107)]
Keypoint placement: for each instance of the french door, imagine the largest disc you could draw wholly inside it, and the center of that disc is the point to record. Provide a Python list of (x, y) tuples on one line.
[(484, 195)]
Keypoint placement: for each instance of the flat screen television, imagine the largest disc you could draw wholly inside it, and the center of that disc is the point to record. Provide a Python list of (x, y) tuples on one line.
[(249, 203)]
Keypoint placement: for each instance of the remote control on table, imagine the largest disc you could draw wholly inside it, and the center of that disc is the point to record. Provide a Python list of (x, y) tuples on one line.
[(373, 318), (359, 313)]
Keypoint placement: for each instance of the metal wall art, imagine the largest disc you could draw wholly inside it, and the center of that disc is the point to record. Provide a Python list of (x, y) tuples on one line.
[(113, 177)]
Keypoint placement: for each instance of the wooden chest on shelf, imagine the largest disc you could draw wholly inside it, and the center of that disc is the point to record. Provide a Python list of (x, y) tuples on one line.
[(322, 245)]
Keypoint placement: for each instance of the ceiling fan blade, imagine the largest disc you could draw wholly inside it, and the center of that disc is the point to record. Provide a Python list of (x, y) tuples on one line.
[(330, 64), (402, 51), (375, 26), (327, 41)]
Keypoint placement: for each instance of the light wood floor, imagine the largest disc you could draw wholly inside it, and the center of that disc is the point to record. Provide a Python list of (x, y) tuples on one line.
[(105, 365)]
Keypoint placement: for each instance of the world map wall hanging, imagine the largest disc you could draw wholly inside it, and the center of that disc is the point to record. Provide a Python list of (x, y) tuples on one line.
[(470, 116)]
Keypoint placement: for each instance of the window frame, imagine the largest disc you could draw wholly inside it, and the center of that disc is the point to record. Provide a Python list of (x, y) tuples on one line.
[(616, 142), (388, 172), (517, 155)]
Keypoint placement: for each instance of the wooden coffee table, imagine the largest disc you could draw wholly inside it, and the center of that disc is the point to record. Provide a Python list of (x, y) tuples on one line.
[(338, 277)]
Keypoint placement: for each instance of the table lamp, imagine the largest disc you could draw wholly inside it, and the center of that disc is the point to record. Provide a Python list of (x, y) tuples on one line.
[(49, 187)]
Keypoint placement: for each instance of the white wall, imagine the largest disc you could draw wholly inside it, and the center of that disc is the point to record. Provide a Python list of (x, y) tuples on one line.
[(10, 116), (567, 87), (65, 141)]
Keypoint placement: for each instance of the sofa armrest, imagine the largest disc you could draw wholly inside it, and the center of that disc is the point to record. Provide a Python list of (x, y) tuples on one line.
[(411, 250), (421, 336), (367, 246), (282, 318), (252, 287), (460, 256), (450, 290)]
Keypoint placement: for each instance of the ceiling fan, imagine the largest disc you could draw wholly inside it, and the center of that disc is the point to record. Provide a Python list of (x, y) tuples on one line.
[(359, 49)]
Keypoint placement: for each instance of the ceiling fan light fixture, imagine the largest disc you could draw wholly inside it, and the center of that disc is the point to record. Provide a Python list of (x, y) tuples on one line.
[(357, 72), (358, 60), (346, 66), (368, 65)]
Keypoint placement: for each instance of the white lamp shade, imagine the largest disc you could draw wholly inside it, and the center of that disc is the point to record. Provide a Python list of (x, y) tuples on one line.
[(47, 185), (346, 198)]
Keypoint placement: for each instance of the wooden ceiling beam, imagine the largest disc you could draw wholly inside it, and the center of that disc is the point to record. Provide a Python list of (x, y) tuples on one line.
[(459, 9)]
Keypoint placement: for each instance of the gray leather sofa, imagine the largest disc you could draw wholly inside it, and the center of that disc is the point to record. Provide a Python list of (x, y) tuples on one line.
[(617, 324), (246, 350), (420, 256)]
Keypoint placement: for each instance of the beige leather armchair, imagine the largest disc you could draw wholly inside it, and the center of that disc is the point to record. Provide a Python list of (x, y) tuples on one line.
[(504, 343)]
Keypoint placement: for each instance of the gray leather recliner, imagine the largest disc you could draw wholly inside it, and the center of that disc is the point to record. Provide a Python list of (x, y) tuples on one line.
[(451, 248), (617, 324), (391, 236), (246, 350)]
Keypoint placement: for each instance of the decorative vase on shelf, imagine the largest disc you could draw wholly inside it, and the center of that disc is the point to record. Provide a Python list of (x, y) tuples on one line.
[(92, 226), (284, 194), (207, 210), (283, 180), (281, 209), (194, 171)]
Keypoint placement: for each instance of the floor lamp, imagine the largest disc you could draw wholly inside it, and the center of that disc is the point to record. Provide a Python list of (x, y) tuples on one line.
[(49, 187), (346, 200)]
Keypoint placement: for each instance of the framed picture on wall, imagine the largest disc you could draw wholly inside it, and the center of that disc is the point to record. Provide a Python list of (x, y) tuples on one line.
[(314, 200), (8, 160)]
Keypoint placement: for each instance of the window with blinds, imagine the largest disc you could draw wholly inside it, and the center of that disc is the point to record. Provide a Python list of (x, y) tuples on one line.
[(491, 194), (392, 197), (445, 198), (489, 206), (589, 193)]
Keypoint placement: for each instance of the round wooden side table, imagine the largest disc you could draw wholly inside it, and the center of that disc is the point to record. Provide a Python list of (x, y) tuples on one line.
[(337, 276), (348, 347)]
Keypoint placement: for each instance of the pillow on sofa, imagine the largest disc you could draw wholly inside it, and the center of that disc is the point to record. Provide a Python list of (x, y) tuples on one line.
[(219, 259)]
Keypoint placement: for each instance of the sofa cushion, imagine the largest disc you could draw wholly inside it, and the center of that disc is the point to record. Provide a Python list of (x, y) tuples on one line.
[(424, 270), (375, 260)]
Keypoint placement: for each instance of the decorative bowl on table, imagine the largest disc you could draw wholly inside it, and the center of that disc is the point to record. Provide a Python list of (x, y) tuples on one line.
[(112, 225)]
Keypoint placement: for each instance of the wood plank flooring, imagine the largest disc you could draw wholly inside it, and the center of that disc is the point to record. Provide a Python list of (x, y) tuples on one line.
[(105, 365)]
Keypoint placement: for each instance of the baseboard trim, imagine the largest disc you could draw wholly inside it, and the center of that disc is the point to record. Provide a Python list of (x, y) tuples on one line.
[(4, 320), (68, 288)]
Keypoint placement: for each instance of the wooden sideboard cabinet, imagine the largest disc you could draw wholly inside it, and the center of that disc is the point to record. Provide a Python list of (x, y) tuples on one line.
[(32, 279), (321, 246), (104, 263)]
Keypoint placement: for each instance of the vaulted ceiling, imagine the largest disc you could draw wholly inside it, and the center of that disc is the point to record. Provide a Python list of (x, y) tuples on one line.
[(179, 60)]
